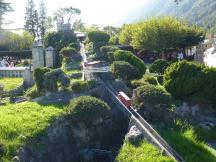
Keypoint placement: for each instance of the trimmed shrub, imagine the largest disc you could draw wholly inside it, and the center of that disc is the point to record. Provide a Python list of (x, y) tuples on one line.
[(38, 77), (153, 100), (138, 83), (107, 51), (124, 70), (151, 80), (87, 110), (208, 91), (70, 54), (121, 55), (64, 80), (98, 36), (82, 86), (52, 78), (184, 79), (159, 66)]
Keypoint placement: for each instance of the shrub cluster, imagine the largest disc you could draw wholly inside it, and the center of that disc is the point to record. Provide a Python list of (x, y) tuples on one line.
[(108, 52), (151, 80), (124, 70), (191, 81), (70, 54), (87, 110), (159, 66), (47, 79), (153, 99), (38, 77), (98, 36), (82, 86), (121, 55)]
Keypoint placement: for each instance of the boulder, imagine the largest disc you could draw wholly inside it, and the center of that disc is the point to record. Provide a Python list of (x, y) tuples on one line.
[(134, 135)]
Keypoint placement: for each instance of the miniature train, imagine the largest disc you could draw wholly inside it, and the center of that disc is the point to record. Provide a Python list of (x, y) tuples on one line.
[(124, 99)]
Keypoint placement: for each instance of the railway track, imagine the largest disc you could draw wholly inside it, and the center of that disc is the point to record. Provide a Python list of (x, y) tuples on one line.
[(143, 124)]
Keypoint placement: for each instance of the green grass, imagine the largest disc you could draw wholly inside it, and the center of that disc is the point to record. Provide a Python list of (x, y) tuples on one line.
[(189, 142), (143, 152), (22, 123), (11, 83)]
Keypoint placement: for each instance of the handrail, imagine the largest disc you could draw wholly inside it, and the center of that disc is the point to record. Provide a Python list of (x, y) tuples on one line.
[(147, 127)]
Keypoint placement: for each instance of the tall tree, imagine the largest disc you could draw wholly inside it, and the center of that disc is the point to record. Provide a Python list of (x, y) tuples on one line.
[(78, 25), (66, 14), (42, 19), (4, 8), (30, 19), (36, 24)]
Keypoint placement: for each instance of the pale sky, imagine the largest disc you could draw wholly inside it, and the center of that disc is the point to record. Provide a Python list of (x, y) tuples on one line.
[(101, 12)]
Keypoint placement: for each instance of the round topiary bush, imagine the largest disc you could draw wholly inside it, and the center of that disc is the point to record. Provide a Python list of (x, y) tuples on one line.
[(159, 66), (87, 110), (98, 36), (154, 100), (121, 55), (124, 70), (184, 79)]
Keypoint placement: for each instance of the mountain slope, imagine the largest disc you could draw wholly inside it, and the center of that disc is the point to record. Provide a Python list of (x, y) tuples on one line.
[(200, 12)]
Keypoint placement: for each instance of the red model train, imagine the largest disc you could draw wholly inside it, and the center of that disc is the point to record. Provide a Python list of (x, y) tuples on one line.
[(124, 99)]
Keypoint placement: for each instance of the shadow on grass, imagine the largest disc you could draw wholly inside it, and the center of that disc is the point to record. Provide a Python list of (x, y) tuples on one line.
[(190, 149), (59, 105)]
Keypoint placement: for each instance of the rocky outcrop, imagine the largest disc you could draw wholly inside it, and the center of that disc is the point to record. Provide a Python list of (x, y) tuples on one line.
[(64, 141)]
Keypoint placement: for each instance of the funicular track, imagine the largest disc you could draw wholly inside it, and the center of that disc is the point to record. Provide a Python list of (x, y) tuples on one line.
[(142, 124)]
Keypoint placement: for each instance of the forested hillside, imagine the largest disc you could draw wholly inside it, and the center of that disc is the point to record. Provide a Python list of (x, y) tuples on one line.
[(201, 12)]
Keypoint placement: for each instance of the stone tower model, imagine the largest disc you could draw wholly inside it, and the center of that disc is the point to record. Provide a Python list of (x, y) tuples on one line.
[(50, 57), (38, 55)]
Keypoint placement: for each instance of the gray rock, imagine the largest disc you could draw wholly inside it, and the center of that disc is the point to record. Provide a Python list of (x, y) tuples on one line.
[(134, 135), (16, 159)]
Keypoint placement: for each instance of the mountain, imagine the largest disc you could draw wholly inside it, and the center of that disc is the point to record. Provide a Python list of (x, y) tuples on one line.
[(200, 12)]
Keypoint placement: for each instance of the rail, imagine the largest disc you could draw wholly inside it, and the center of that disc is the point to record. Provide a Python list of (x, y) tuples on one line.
[(152, 133)]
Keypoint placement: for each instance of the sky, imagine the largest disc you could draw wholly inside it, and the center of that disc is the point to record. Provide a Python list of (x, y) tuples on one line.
[(100, 12)]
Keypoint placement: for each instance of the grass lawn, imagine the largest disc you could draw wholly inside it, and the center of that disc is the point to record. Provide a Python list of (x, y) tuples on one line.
[(189, 142), (11, 83), (21, 123), (143, 152)]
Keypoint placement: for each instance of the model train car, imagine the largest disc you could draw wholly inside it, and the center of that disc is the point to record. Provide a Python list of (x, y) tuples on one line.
[(124, 99)]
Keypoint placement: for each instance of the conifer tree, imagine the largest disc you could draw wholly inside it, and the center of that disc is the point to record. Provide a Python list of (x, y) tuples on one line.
[(4, 8), (42, 19), (30, 19)]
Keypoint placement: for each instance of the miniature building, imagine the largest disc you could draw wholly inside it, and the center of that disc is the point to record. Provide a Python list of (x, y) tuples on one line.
[(50, 57), (38, 55), (61, 27)]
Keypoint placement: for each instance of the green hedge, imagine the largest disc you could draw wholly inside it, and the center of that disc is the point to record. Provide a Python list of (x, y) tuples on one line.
[(87, 110), (151, 80), (82, 86), (159, 66), (154, 100), (184, 79), (124, 70), (108, 52), (121, 55), (38, 77)]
